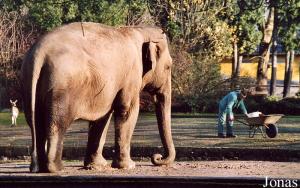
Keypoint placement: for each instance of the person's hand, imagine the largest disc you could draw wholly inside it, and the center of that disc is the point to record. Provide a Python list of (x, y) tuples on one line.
[(231, 118)]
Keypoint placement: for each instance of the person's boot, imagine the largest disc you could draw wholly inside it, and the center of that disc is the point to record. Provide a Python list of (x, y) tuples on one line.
[(221, 135), (231, 136)]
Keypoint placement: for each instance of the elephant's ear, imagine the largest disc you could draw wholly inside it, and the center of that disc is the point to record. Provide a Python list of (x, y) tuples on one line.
[(149, 56)]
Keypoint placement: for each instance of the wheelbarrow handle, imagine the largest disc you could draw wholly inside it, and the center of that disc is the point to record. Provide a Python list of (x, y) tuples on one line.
[(242, 122)]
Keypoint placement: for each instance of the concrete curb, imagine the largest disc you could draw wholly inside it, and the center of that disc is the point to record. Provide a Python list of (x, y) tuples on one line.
[(182, 153)]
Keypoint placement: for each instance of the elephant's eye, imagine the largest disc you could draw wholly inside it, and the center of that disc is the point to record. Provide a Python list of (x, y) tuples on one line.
[(167, 67), (157, 52)]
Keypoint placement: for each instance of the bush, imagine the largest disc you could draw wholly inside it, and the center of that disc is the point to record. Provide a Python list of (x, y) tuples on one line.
[(209, 104), (272, 105), (272, 98)]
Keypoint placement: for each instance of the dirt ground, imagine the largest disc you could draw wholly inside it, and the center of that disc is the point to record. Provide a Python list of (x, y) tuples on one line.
[(197, 168)]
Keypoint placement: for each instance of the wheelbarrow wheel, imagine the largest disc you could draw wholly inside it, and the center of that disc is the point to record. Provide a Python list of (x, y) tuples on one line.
[(271, 131)]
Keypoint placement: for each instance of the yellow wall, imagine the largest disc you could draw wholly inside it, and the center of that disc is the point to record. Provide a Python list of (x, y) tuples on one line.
[(249, 69)]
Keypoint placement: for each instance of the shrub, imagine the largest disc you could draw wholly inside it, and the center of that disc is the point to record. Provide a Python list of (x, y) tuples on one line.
[(272, 98), (287, 106)]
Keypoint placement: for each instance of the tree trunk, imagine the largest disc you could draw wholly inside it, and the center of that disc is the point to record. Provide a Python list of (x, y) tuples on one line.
[(274, 69), (288, 73), (234, 65), (274, 55), (262, 68), (238, 66), (238, 70), (287, 59)]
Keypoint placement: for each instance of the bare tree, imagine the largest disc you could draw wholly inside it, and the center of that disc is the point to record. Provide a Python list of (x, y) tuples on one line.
[(15, 38)]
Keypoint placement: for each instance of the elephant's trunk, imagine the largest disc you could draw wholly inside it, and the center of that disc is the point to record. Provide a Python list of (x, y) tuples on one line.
[(163, 114)]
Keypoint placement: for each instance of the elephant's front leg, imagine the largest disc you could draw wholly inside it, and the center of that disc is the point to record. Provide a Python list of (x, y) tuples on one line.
[(97, 135), (125, 120)]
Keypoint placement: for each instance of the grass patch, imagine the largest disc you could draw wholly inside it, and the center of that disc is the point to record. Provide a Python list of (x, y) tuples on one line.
[(193, 115), (5, 119), (290, 119)]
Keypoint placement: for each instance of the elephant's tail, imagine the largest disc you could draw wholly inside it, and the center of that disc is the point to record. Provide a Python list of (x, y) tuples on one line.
[(38, 62)]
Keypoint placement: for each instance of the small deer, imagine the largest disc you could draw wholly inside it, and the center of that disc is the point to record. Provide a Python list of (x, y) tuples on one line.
[(14, 112)]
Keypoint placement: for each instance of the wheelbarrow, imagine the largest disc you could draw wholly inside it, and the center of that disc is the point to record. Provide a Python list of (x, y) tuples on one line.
[(257, 123)]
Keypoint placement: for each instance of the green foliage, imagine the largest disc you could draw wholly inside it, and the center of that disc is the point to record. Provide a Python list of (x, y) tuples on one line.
[(46, 14), (10, 5), (107, 12), (272, 98), (199, 40), (287, 106), (51, 13), (173, 28), (289, 23), (201, 33), (246, 18), (248, 33)]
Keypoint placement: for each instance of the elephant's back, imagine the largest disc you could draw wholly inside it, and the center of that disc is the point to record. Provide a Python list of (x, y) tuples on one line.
[(95, 51), (86, 63), (81, 31)]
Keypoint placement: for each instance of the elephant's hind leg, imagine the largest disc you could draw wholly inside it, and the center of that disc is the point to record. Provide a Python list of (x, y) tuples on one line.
[(41, 151), (39, 157), (125, 120), (54, 149), (57, 121), (97, 135)]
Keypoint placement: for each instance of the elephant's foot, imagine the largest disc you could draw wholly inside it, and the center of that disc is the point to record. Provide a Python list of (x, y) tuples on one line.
[(43, 168), (96, 164), (54, 167), (34, 168), (124, 164), (34, 165)]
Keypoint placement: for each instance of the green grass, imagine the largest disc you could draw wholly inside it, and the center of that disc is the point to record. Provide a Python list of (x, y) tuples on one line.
[(290, 119), (5, 119), (195, 130)]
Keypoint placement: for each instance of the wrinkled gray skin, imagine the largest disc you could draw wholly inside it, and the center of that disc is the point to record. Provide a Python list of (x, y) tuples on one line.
[(90, 72)]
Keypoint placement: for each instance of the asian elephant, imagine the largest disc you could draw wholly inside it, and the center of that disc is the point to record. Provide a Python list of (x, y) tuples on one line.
[(90, 71)]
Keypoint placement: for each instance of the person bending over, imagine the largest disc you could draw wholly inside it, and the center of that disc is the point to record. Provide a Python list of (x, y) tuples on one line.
[(232, 100)]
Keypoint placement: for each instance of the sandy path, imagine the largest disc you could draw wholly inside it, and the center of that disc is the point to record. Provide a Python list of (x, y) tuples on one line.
[(196, 168)]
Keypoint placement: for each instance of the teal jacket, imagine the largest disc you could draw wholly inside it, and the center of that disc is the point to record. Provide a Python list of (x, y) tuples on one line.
[(230, 102)]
